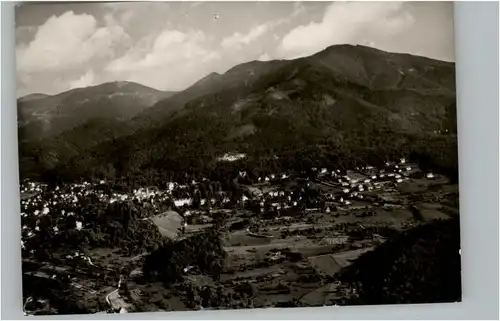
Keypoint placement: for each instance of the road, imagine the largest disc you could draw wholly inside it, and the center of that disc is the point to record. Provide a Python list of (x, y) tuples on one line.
[(115, 301), (113, 298)]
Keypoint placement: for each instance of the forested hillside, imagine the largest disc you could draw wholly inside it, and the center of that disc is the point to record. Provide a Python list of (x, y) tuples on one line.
[(343, 106)]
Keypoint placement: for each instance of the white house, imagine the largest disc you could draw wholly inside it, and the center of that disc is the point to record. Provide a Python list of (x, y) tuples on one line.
[(183, 201)]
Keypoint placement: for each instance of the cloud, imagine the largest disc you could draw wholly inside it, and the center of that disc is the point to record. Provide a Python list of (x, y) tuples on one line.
[(179, 42), (25, 32), (298, 9), (67, 42), (237, 39), (347, 22), (131, 14), (169, 47), (264, 57), (171, 59), (85, 80)]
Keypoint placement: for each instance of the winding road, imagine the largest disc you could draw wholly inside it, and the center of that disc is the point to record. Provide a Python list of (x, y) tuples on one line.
[(113, 298)]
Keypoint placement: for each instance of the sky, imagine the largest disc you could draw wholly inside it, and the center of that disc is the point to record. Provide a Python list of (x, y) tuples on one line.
[(171, 45)]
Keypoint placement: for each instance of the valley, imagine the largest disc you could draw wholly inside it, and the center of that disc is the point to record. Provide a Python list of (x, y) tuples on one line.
[(284, 240), (330, 179)]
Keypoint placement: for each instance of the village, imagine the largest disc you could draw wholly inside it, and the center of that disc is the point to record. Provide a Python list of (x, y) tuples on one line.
[(294, 230)]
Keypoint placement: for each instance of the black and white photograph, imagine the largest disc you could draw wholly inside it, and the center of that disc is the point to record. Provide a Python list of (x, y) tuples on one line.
[(189, 156)]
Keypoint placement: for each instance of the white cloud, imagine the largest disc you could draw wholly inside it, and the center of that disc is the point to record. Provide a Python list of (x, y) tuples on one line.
[(211, 56), (164, 52), (67, 42), (172, 59), (264, 57), (298, 9), (347, 22), (237, 39), (169, 47), (85, 80)]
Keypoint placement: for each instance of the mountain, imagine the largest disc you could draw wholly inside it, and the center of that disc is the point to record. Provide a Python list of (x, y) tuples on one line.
[(362, 67), (344, 105), (238, 78), (31, 97), (45, 116)]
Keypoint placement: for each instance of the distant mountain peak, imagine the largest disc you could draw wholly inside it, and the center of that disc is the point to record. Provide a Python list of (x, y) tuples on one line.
[(247, 66), (114, 87), (32, 96), (347, 47), (117, 100), (124, 83), (119, 84), (213, 76)]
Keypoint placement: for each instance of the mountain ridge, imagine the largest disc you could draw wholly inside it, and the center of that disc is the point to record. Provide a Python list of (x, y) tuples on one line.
[(364, 104), (117, 83), (235, 76), (48, 115)]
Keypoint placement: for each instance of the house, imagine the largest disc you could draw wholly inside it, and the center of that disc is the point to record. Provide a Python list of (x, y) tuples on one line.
[(231, 157), (183, 201)]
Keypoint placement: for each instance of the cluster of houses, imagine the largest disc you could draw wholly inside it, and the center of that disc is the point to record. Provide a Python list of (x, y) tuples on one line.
[(341, 189), (326, 190), (231, 157)]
